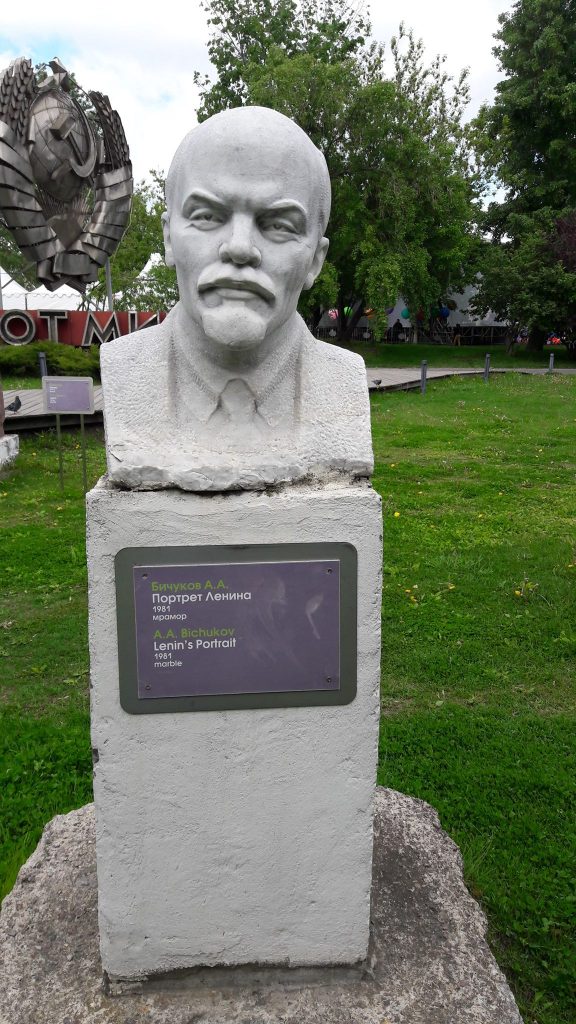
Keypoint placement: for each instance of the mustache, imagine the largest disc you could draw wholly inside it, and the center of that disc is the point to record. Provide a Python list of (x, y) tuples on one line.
[(260, 285)]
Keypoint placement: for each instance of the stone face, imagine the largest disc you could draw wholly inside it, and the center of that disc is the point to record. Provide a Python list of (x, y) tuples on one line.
[(9, 445), (429, 961), (230, 837)]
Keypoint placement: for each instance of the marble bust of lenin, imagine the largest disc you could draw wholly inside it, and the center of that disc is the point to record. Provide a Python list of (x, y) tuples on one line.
[(231, 391)]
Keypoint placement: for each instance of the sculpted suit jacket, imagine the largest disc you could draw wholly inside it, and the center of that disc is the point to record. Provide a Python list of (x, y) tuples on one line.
[(166, 426)]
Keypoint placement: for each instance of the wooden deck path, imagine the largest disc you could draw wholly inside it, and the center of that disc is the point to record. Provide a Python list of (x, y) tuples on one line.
[(31, 415)]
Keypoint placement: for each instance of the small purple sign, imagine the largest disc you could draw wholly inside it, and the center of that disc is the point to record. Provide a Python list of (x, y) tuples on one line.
[(68, 394), (250, 627)]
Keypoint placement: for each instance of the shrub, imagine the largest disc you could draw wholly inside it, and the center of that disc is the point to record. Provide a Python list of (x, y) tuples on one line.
[(62, 360)]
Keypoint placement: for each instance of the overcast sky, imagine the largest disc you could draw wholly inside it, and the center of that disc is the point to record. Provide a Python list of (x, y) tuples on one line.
[(145, 63)]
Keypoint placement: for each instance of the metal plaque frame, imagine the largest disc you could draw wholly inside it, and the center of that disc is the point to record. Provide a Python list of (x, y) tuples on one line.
[(74, 407), (129, 558)]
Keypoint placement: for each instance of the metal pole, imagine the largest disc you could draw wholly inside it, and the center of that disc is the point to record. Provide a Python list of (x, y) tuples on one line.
[(423, 373), (42, 364), (487, 368), (551, 364), (83, 439), (109, 286), (60, 466), (1, 299)]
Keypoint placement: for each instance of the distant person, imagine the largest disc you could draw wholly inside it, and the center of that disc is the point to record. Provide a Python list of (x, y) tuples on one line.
[(457, 336), (397, 332)]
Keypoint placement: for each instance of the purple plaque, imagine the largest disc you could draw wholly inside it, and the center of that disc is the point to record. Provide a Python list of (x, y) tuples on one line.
[(68, 394), (237, 628)]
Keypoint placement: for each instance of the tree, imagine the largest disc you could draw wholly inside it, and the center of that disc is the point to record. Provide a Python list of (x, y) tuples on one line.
[(527, 144), (395, 146), (245, 30)]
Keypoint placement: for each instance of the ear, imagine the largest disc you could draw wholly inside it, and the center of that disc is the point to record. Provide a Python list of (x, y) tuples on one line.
[(317, 262), (168, 256)]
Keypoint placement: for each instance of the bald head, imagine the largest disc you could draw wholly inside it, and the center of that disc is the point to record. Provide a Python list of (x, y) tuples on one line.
[(257, 135), (248, 198)]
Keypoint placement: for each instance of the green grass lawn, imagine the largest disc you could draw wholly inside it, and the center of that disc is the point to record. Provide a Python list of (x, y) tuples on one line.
[(19, 383), (439, 356), (479, 636)]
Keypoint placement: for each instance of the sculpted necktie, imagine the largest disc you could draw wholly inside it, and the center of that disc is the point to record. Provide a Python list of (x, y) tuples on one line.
[(237, 402), (237, 409)]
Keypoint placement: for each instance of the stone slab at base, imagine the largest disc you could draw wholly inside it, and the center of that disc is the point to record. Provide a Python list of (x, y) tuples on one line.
[(237, 836), (9, 446), (429, 962)]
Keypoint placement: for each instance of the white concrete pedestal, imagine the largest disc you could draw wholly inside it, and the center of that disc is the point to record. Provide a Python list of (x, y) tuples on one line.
[(233, 837), (9, 446)]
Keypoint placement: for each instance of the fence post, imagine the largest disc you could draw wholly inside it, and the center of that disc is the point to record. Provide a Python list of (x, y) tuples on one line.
[(551, 363), (42, 364), (60, 461), (487, 368), (109, 291), (423, 372)]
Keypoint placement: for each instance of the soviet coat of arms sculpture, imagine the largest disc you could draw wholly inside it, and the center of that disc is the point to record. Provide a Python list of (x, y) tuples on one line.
[(65, 176)]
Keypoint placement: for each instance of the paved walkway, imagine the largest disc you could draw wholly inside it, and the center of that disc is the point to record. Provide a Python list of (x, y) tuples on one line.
[(387, 379), (31, 415)]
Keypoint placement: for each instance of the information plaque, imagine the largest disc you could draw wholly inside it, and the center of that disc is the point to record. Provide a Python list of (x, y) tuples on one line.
[(241, 626), (68, 395)]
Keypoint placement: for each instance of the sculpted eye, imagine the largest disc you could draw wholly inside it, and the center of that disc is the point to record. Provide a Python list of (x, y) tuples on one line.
[(280, 226), (207, 218)]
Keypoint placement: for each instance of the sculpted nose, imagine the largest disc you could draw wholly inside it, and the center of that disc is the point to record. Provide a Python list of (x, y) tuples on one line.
[(239, 247)]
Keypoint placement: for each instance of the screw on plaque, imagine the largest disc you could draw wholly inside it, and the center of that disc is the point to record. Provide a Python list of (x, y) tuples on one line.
[(144, 575), (328, 679), (148, 686), (329, 571)]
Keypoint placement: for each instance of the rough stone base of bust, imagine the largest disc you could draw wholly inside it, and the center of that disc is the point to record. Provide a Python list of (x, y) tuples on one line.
[(9, 445), (429, 962)]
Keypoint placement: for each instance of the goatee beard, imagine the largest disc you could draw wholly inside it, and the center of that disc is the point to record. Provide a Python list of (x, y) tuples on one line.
[(238, 327)]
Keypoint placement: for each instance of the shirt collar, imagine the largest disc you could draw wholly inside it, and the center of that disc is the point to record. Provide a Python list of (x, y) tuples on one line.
[(197, 397)]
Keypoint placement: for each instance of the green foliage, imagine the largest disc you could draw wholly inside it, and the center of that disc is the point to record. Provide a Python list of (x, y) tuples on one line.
[(323, 295), (64, 360), (244, 31), (526, 142), (154, 289), (378, 276), (402, 203)]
